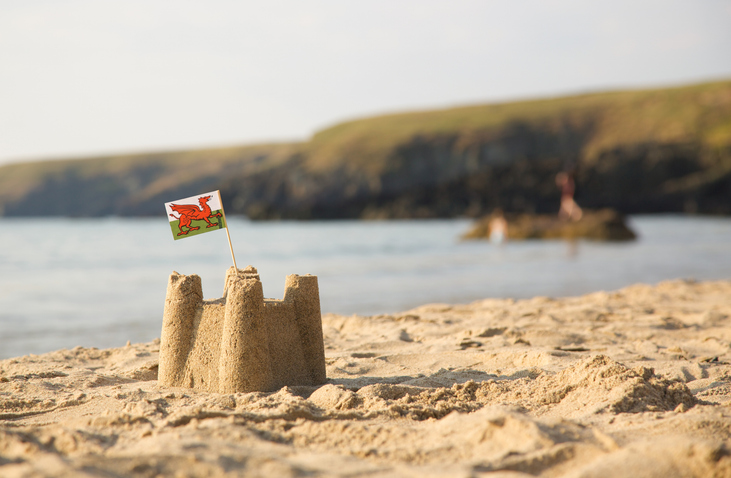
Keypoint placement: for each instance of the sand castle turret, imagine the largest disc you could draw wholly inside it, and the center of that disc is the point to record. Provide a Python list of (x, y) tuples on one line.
[(241, 342)]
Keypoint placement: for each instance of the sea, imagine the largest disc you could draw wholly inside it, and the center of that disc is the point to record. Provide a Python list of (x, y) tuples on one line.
[(101, 282)]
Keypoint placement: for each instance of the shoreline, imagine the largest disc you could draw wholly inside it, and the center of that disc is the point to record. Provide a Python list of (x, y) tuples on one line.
[(630, 382)]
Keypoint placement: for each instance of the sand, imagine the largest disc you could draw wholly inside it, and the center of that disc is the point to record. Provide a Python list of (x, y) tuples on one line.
[(635, 382)]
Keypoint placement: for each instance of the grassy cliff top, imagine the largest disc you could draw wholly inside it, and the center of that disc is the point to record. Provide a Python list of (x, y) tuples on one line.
[(691, 113)]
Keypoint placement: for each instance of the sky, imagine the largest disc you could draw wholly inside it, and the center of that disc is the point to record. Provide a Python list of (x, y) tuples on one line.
[(81, 77)]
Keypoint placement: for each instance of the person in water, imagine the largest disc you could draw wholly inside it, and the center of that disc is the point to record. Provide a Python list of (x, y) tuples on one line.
[(498, 227), (569, 210)]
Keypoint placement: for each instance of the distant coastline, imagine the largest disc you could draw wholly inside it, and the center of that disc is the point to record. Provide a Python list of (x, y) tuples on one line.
[(639, 152)]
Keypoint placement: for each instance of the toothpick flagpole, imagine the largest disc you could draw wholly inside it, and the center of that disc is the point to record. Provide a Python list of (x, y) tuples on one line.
[(223, 212)]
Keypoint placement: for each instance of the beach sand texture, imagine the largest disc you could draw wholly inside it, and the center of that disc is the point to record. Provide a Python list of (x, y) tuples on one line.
[(635, 382)]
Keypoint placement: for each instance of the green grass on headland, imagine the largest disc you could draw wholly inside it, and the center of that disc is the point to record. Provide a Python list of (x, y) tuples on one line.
[(691, 113)]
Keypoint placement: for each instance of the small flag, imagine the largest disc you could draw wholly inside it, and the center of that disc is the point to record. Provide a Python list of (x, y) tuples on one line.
[(196, 215)]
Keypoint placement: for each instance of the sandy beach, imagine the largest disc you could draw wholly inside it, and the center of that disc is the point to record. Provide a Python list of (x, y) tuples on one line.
[(635, 382)]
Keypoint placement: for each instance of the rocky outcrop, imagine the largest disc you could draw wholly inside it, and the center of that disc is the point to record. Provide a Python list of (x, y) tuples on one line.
[(603, 225)]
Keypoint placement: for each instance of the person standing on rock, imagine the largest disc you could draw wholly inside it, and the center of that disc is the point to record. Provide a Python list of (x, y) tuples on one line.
[(569, 210)]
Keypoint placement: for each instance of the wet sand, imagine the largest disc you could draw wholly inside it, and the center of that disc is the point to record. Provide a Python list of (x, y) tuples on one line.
[(635, 382)]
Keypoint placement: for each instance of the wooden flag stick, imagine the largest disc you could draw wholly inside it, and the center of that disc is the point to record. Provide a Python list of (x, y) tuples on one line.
[(223, 212)]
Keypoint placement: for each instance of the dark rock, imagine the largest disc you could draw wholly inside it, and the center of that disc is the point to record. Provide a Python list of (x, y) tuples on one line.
[(602, 225)]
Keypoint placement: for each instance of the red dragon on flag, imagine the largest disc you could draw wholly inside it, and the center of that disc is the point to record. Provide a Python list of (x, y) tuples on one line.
[(189, 213), (185, 213)]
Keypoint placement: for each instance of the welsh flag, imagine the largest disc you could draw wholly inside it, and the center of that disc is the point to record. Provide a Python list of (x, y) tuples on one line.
[(196, 215)]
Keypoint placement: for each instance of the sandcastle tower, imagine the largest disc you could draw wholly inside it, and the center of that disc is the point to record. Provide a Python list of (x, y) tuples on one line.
[(241, 342)]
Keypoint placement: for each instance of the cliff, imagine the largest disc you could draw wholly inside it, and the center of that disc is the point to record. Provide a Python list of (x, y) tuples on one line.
[(663, 150)]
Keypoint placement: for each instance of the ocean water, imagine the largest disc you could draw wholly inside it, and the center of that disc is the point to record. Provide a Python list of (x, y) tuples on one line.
[(102, 282)]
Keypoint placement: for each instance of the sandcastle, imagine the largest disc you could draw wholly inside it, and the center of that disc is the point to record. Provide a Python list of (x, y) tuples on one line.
[(241, 342)]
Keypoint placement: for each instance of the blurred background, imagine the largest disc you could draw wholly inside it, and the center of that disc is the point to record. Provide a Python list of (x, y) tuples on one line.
[(357, 141)]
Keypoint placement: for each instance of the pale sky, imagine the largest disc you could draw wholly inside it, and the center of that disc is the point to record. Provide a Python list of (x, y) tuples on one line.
[(83, 77)]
